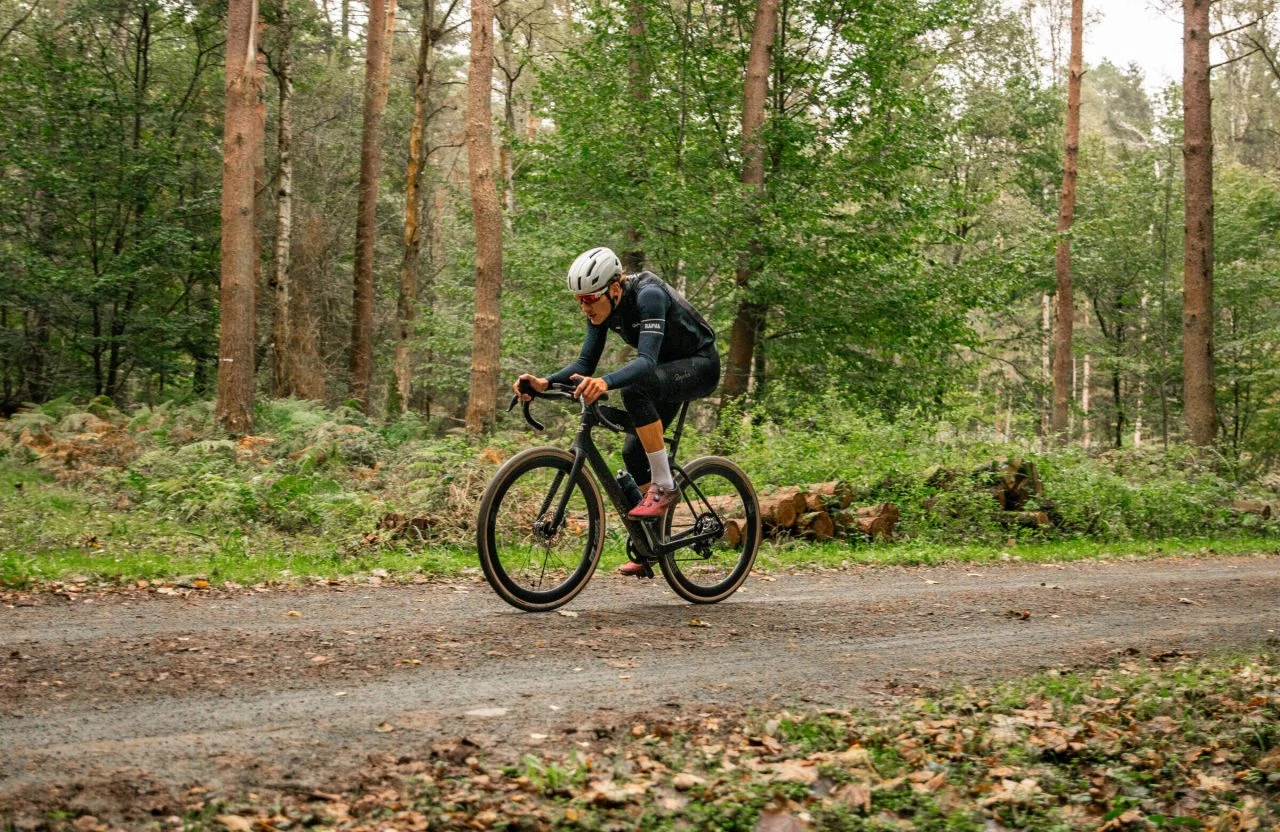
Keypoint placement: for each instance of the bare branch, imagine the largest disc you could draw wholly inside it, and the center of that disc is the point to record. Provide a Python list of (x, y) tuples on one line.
[(1226, 32), (18, 22), (1275, 70), (1253, 51)]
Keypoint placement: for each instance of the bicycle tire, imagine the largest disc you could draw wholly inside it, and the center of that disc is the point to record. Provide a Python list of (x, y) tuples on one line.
[(509, 543), (694, 576)]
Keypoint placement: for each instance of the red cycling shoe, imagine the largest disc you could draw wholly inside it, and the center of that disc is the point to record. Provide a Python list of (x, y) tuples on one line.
[(656, 501), (632, 569)]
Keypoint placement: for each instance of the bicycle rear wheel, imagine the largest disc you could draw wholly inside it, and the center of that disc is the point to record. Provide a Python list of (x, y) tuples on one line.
[(529, 561), (716, 497)]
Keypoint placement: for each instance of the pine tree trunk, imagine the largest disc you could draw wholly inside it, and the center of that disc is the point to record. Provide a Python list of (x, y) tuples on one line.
[(487, 217), (747, 321), (638, 83), (413, 204), (240, 148), (1066, 216), (366, 212), (283, 349), (1199, 389)]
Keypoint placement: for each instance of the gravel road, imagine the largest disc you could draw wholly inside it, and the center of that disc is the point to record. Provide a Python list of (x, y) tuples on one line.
[(114, 694)]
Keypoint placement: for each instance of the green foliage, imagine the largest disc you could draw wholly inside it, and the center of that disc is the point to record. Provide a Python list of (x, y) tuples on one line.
[(932, 470)]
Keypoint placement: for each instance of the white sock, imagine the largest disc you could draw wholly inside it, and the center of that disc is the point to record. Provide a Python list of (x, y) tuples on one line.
[(660, 470)]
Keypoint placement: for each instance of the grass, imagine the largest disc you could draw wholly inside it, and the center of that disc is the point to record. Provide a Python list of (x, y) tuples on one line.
[(52, 532)]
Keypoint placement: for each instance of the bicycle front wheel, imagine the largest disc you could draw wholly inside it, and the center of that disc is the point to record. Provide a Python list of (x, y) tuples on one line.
[(715, 494), (532, 561)]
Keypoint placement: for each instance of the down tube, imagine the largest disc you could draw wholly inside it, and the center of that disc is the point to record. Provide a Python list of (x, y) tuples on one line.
[(637, 529)]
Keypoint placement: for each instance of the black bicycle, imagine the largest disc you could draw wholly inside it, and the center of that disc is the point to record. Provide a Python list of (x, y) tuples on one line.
[(541, 524)]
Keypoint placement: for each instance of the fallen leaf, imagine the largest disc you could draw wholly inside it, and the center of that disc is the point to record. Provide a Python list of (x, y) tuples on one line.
[(856, 795), (779, 820), (685, 781), (698, 622), (609, 793), (1212, 784), (294, 614), (1123, 820), (235, 823), (795, 771), (384, 727), (1013, 792), (567, 613)]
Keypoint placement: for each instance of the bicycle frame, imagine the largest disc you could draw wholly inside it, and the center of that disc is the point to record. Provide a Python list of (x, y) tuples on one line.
[(644, 534)]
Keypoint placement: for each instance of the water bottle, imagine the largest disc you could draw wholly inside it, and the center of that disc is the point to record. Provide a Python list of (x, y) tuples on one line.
[(630, 491)]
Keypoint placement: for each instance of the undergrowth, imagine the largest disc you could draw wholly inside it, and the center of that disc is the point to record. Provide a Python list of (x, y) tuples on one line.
[(92, 490)]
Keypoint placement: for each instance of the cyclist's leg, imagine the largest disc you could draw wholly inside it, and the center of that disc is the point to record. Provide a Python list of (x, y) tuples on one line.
[(653, 402)]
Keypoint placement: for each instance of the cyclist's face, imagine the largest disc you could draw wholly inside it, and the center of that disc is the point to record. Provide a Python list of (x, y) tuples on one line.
[(596, 307)]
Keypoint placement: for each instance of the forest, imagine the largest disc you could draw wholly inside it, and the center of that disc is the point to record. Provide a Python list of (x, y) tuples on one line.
[(882, 235)]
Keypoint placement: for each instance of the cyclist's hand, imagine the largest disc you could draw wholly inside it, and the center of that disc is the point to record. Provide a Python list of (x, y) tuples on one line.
[(589, 389), (539, 384)]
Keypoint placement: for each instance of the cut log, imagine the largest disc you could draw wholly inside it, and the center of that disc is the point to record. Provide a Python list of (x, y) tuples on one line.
[(1015, 482), (1257, 507), (1028, 519), (817, 525), (734, 532), (872, 521), (778, 512), (729, 505), (734, 527), (799, 497), (824, 496)]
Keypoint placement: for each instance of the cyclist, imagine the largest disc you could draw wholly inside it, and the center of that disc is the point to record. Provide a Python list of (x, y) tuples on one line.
[(676, 361)]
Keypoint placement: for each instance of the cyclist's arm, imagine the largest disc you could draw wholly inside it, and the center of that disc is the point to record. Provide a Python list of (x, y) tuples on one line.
[(651, 304), (585, 365)]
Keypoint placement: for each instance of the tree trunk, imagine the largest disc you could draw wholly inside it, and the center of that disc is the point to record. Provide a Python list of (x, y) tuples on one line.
[(506, 154), (234, 409), (366, 215), (747, 321), (487, 217), (1046, 364), (638, 83), (1142, 375), (283, 349), (1197, 153), (1087, 439), (1066, 216), (413, 204)]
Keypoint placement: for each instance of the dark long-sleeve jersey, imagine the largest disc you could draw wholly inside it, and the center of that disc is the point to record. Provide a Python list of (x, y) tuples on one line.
[(652, 317)]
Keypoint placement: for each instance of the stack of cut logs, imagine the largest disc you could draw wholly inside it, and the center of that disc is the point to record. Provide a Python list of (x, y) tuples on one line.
[(818, 512), (1017, 482), (821, 511)]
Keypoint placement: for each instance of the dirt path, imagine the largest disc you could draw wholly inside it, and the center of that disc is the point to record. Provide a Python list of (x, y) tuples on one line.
[(113, 697)]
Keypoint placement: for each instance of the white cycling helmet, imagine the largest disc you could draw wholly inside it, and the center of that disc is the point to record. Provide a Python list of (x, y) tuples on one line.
[(593, 271)]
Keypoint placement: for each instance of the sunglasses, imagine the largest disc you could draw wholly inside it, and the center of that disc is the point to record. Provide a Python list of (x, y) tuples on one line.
[(587, 300)]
